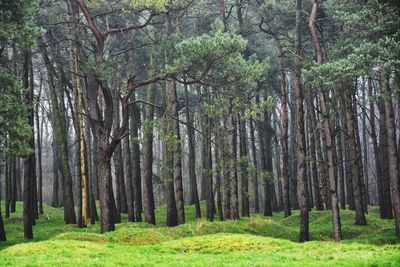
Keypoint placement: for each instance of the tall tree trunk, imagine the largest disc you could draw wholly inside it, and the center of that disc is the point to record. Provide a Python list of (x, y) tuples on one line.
[(169, 142), (39, 150), (314, 137), (194, 195), (284, 123), (136, 168), (266, 150), (393, 157), (300, 135), (347, 165), (178, 177), (255, 175), (337, 231), (365, 148), (148, 196), (353, 161), (60, 131), (244, 165), (234, 207), (128, 174), (385, 203), (340, 157), (29, 160)]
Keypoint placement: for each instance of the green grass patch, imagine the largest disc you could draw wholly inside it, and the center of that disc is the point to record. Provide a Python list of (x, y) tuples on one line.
[(255, 241)]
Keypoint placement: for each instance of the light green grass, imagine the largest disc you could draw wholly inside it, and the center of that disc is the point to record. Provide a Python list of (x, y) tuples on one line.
[(255, 241)]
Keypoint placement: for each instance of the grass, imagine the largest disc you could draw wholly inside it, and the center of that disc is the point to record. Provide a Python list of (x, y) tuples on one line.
[(255, 241)]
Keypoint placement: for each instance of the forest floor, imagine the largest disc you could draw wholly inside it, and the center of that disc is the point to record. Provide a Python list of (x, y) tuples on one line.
[(255, 241)]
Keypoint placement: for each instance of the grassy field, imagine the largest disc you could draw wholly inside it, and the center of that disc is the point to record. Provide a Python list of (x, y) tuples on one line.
[(255, 241)]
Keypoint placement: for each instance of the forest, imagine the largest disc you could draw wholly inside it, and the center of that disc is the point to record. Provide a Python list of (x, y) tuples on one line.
[(199, 132)]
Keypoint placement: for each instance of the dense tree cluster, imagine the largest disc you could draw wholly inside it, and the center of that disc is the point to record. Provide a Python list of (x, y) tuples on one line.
[(249, 105)]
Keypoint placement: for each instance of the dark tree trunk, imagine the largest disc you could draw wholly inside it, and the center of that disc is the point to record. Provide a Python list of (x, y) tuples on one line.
[(254, 157), (385, 165), (234, 208), (340, 157), (337, 231), (353, 160), (349, 179), (136, 168), (178, 177), (380, 154), (244, 165), (300, 134), (169, 143), (314, 137), (266, 150), (29, 160), (148, 196), (128, 177), (194, 195), (393, 157)]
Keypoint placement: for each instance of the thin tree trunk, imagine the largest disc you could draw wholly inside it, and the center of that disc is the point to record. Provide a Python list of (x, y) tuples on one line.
[(353, 161), (244, 160), (194, 195), (178, 177), (29, 160), (136, 168), (254, 157)]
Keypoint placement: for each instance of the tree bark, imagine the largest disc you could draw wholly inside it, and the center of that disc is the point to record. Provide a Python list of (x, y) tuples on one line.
[(353, 160), (194, 194), (136, 168), (393, 157), (337, 231)]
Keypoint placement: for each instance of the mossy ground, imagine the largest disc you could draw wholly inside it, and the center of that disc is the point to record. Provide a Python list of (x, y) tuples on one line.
[(255, 241)]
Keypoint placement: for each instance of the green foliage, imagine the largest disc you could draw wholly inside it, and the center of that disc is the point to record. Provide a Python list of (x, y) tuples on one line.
[(215, 58), (370, 36), (16, 20), (15, 130)]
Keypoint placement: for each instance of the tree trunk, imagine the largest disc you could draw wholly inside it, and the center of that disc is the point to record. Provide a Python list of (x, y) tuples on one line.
[(393, 157), (60, 131), (314, 137), (169, 142), (244, 165), (136, 168), (268, 167), (148, 197), (300, 135), (285, 124), (194, 195), (255, 175), (385, 203), (178, 160), (337, 231), (353, 160)]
